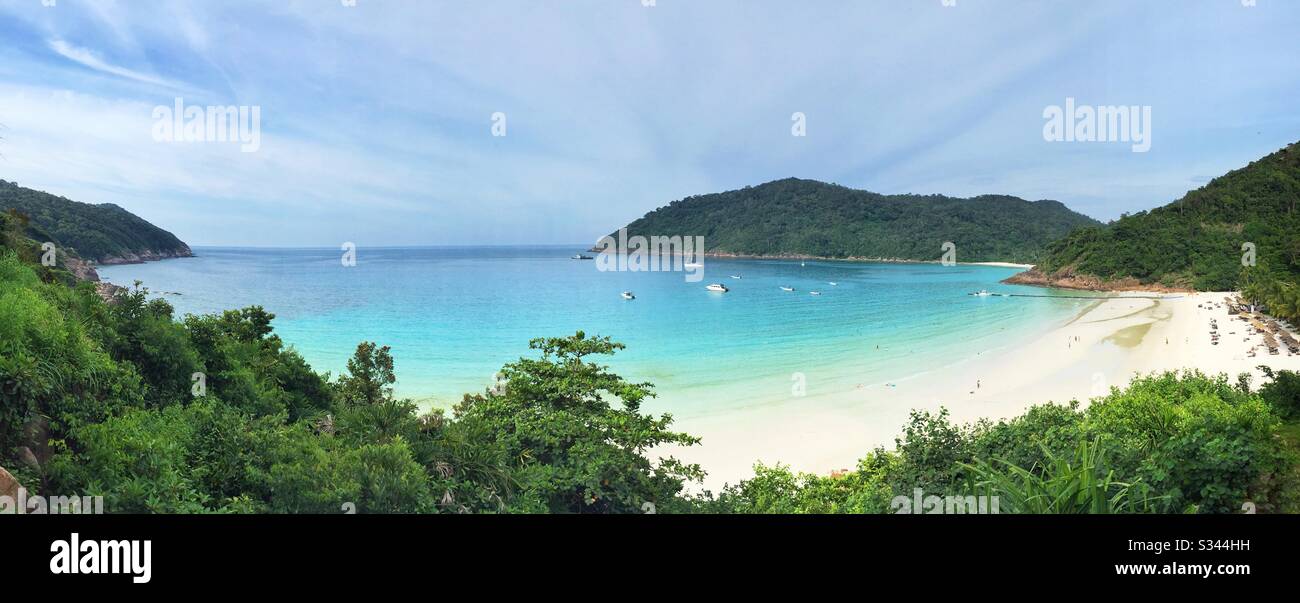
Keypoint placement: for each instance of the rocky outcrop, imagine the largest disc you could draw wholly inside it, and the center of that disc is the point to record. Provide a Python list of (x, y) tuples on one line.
[(1066, 279), (149, 255), (80, 268), (85, 271), (9, 486), (108, 291)]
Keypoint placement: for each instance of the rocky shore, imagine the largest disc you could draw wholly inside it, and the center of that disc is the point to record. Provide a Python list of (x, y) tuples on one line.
[(85, 270), (146, 256), (1083, 282)]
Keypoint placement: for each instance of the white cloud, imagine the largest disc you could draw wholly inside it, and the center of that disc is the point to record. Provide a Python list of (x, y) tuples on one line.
[(88, 58), (377, 116)]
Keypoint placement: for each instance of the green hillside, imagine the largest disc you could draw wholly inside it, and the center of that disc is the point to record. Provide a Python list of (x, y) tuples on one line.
[(104, 233), (806, 217), (1197, 241)]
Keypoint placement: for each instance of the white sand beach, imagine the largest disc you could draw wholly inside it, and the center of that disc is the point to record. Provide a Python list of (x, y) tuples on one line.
[(1106, 345), (1001, 264)]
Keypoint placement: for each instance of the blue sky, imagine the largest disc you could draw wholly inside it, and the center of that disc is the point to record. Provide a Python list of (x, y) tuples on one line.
[(376, 118)]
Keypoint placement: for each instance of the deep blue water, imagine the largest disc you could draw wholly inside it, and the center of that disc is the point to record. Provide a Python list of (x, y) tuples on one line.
[(453, 316)]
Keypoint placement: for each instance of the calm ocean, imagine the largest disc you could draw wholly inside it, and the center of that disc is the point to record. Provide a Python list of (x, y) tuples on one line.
[(453, 316)]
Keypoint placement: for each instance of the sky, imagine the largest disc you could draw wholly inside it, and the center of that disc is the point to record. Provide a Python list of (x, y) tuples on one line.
[(377, 119)]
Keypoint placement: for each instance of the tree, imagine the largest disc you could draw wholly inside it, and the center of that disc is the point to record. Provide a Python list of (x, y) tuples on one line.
[(370, 375), (569, 446), (159, 348)]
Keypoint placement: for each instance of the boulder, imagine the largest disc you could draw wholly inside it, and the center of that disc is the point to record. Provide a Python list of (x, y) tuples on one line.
[(8, 485)]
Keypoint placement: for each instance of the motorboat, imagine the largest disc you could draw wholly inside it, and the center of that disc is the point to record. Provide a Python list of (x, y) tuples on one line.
[(718, 287), (833, 284), (787, 288), (579, 256), (628, 295), (814, 293), (736, 276), (982, 293)]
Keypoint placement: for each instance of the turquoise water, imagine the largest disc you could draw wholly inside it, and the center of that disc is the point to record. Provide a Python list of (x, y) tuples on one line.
[(453, 316)]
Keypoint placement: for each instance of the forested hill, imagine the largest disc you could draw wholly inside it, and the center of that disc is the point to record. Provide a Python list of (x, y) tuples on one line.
[(104, 233), (795, 217), (1197, 241)]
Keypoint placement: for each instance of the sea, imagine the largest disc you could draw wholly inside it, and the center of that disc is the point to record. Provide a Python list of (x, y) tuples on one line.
[(454, 315)]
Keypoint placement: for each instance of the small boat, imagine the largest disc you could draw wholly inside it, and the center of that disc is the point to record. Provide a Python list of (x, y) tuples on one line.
[(814, 293), (628, 295), (982, 293), (833, 284), (579, 256), (787, 288), (718, 287), (736, 276)]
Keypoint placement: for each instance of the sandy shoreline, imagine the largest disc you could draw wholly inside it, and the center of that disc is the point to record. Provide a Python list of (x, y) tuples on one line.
[(1105, 345)]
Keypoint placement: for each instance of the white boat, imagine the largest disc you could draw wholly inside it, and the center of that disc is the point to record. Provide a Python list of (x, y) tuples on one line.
[(787, 288), (736, 276), (833, 284), (982, 293), (579, 256), (718, 287), (628, 295), (814, 293)]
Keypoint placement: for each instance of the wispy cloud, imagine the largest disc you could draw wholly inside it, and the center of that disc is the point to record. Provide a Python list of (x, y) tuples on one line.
[(87, 58)]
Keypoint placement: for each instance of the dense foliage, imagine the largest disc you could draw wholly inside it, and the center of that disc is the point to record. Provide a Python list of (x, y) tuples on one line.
[(1167, 443), (806, 217), (94, 232), (1197, 241)]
